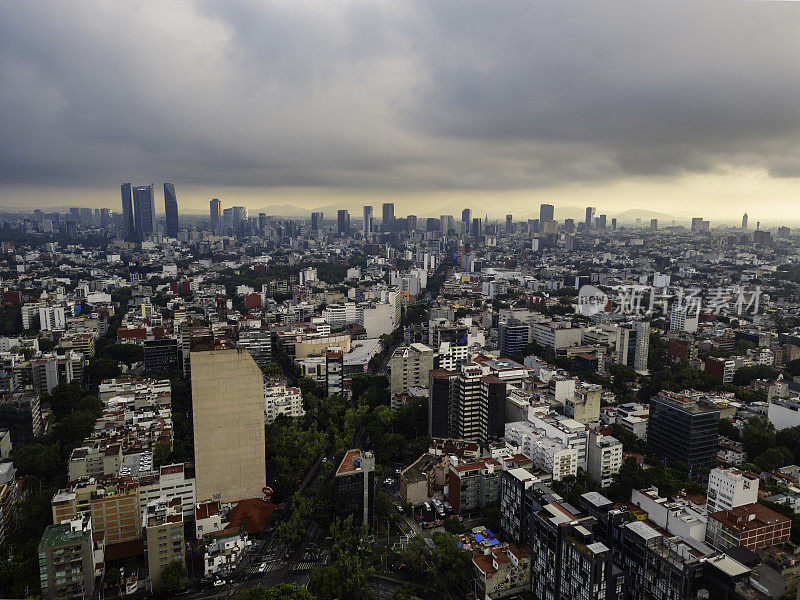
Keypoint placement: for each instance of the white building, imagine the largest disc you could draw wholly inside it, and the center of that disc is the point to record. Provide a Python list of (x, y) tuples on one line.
[(783, 413), (337, 315), (729, 488), (604, 458), (677, 518), (171, 482), (557, 334), (547, 453), (280, 399), (377, 318), (682, 318), (52, 318)]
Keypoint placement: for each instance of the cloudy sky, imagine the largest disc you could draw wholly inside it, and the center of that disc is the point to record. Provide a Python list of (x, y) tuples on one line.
[(681, 107)]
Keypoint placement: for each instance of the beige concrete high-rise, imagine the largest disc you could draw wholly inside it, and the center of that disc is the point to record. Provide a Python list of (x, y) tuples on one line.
[(228, 407)]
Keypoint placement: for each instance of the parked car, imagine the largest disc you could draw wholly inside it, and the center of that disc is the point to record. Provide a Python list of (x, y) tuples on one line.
[(219, 582), (262, 567)]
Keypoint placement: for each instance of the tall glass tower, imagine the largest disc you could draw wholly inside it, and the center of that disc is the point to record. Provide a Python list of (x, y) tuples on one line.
[(171, 210)]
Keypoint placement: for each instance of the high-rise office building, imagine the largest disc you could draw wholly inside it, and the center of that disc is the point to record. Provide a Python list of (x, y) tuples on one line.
[(601, 224), (614, 224), (343, 223), (128, 225), (228, 407), (262, 222), (512, 336), (411, 222), (684, 427), (105, 217), (409, 367), (216, 215), (316, 221), (171, 210), (633, 344), (590, 210), (509, 224), (444, 220), (439, 402), (546, 213), (367, 229), (477, 228), (387, 223), (144, 211), (653, 224), (466, 219), (744, 221), (569, 225), (239, 220)]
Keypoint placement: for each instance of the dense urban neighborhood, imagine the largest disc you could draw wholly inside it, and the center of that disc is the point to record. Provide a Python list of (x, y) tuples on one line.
[(254, 406)]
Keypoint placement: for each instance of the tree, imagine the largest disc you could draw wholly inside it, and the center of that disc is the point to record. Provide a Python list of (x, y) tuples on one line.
[(383, 505), (744, 375), (793, 368), (103, 368), (453, 525), (270, 370), (161, 453), (728, 430), (450, 564), (758, 436), (46, 344), (282, 591), (173, 576), (126, 353)]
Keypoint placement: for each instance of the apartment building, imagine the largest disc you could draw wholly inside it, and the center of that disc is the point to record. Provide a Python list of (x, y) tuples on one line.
[(752, 526), (258, 342), (502, 570), (584, 405), (473, 484), (730, 488), (162, 524), (604, 458), (516, 504), (557, 334), (633, 345), (98, 460), (170, 482), (67, 560), (282, 399), (409, 367)]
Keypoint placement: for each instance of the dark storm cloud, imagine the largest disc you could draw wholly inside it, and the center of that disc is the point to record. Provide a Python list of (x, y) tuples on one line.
[(395, 95)]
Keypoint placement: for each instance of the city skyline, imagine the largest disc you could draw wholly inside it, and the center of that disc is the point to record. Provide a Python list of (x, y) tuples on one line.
[(659, 113)]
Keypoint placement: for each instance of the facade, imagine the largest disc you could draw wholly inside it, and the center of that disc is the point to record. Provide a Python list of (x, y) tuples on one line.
[(513, 337), (501, 571), (439, 401), (161, 354), (409, 367), (228, 406), (281, 399), (367, 228), (171, 210), (216, 215), (633, 345), (334, 373), (66, 560), (473, 484), (604, 458), (683, 428), (128, 226), (169, 482), (730, 488), (343, 223), (162, 524), (21, 416), (144, 211), (258, 342), (355, 487), (751, 526), (516, 504), (52, 318), (584, 405)]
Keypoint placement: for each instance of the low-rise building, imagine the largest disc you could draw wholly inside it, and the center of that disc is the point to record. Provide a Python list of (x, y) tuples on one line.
[(752, 526), (281, 399), (67, 559)]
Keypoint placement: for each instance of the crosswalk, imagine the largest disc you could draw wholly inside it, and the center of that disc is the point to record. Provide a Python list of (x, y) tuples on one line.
[(304, 566)]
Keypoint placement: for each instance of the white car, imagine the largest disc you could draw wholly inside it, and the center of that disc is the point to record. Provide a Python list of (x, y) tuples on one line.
[(262, 567), (219, 582)]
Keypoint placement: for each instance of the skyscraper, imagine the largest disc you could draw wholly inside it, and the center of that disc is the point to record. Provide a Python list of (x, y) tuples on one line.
[(343, 223), (216, 215), (602, 222), (653, 224), (633, 344), (367, 221), (144, 211), (443, 220), (744, 221), (171, 210), (228, 407), (509, 224), (590, 210), (316, 221), (105, 217), (466, 219), (388, 217), (546, 213), (262, 222), (477, 228), (239, 220), (128, 226), (569, 225)]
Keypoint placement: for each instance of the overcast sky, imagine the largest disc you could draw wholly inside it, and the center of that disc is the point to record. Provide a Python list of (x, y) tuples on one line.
[(683, 107)]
